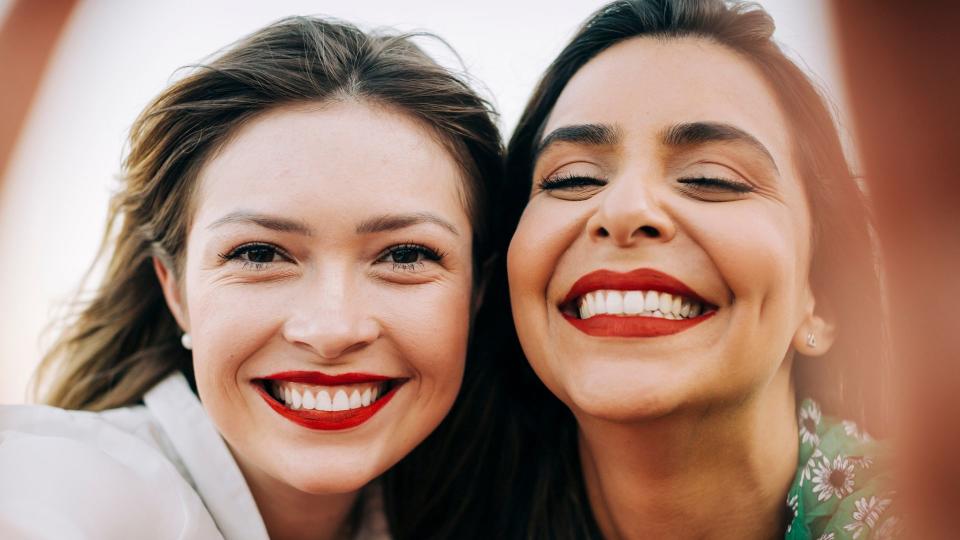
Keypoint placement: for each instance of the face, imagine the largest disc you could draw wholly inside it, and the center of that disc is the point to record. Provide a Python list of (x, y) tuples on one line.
[(661, 263), (327, 288)]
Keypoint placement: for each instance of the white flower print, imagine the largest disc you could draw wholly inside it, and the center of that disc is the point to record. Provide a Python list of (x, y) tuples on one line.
[(833, 479), (864, 462), (853, 430), (867, 514), (889, 529), (827, 536), (809, 421), (807, 474)]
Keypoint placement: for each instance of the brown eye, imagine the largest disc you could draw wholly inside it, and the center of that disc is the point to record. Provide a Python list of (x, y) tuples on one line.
[(409, 257), (258, 256), (405, 255)]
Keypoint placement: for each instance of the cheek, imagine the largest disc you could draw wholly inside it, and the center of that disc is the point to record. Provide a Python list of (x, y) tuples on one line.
[(545, 232), (755, 249), (230, 324), (429, 324)]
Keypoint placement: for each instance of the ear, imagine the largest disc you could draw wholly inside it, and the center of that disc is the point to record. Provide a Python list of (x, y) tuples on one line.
[(816, 333), (171, 293)]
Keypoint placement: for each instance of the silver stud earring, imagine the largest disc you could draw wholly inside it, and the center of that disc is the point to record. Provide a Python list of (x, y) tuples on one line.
[(186, 341), (811, 340)]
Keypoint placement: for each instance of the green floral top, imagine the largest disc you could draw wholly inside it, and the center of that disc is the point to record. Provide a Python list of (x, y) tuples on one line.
[(841, 490)]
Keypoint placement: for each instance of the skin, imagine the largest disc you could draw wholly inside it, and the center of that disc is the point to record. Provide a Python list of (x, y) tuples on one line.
[(325, 298), (673, 428)]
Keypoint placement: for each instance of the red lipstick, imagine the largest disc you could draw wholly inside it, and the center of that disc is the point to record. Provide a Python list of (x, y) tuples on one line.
[(643, 279), (326, 420)]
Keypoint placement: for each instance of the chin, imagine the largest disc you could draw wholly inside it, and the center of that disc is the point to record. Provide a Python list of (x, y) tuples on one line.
[(334, 480), (615, 396)]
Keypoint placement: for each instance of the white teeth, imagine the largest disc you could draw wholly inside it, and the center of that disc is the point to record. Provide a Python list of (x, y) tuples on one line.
[(585, 309), (323, 401), (340, 401), (355, 401), (297, 396), (694, 309), (296, 399), (651, 301), (308, 400), (666, 302), (657, 314), (685, 308), (599, 303), (633, 302), (614, 303), (591, 305), (677, 304)]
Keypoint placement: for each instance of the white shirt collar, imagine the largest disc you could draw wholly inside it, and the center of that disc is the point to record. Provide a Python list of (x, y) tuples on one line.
[(214, 472)]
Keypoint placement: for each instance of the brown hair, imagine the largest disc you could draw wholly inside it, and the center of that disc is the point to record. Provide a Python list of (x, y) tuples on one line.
[(549, 500), (124, 340)]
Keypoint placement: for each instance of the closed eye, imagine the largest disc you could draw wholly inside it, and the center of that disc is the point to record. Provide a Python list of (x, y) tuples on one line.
[(714, 190), (717, 184), (571, 182)]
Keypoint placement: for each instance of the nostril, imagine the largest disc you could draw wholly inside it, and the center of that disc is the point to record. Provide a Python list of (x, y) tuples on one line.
[(649, 231), (603, 233)]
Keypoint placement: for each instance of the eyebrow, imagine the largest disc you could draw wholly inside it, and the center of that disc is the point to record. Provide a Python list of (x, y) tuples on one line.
[(588, 134), (266, 221), (381, 223), (392, 222), (696, 133)]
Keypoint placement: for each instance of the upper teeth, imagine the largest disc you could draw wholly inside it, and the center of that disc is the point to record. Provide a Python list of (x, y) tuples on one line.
[(639, 303), (325, 398)]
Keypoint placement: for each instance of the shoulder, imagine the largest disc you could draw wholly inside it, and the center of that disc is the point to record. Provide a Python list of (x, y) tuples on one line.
[(76, 473), (843, 487)]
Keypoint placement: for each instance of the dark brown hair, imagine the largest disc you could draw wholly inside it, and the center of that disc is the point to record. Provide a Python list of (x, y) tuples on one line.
[(124, 340), (549, 500)]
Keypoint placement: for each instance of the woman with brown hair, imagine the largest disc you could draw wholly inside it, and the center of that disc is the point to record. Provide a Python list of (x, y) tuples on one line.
[(692, 277), (298, 235)]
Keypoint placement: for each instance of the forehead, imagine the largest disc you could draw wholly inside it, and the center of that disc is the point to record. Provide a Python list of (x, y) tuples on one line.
[(331, 161), (643, 85)]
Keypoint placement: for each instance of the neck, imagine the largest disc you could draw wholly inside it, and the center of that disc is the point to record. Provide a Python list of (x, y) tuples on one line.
[(717, 473), (289, 513)]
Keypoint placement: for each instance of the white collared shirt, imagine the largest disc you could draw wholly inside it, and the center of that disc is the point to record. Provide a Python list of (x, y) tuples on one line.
[(158, 470)]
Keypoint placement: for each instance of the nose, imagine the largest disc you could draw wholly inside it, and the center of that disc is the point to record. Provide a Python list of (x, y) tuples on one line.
[(331, 319), (630, 212)]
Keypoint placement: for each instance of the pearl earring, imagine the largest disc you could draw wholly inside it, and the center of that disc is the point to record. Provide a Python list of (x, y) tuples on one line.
[(186, 341), (811, 340)]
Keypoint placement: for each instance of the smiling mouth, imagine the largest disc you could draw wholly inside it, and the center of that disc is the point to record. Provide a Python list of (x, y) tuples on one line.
[(641, 303), (323, 402), (656, 304)]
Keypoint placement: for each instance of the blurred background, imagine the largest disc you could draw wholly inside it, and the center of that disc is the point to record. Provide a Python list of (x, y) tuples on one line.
[(88, 67)]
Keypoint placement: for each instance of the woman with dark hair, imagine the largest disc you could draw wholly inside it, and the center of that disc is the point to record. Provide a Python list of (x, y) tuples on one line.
[(691, 274), (286, 305)]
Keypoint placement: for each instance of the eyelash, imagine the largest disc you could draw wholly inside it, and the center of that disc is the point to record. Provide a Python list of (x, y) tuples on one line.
[(239, 251), (703, 183), (718, 183), (570, 181), (421, 250)]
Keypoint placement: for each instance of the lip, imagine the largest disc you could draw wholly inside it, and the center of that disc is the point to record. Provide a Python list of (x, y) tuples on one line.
[(327, 420), (632, 326), (316, 377)]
